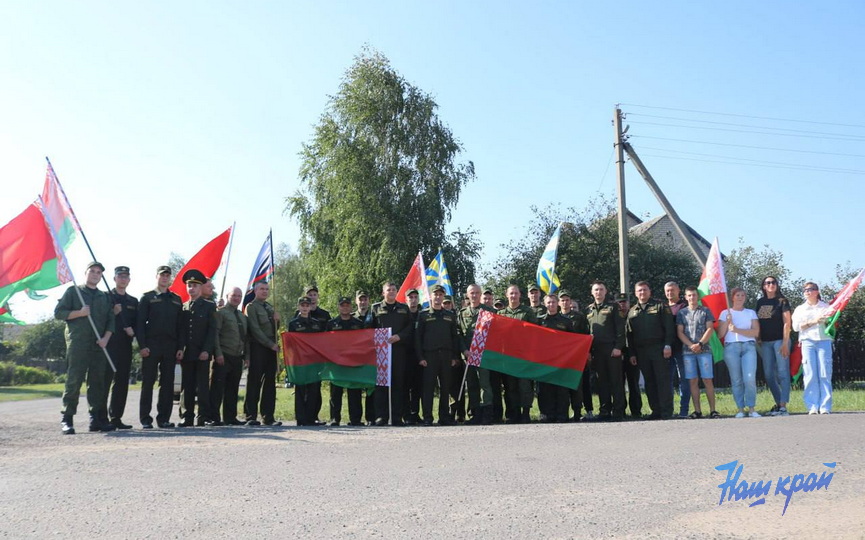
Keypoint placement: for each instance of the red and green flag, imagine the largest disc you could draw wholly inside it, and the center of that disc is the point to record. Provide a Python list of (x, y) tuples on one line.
[(840, 302), (529, 351), (58, 212), (713, 294), (349, 358)]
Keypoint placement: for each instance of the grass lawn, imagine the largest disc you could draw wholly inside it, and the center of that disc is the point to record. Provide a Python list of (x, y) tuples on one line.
[(844, 399)]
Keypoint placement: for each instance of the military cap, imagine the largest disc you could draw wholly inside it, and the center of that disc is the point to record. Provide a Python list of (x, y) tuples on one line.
[(622, 297), (498, 302), (412, 291), (564, 292), (360, 293), (194, 276), (449, 298), (94, 263), (438, 288), (344, 300), (304, 300), (164, 269), (488, 291), (308, 288), (532, 287), (118, 270)]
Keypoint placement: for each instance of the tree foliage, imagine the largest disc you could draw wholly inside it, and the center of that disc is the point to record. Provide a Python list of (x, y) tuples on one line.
[(589, 250), (290, 275), (746, 267), (380, 178), (44, 340)]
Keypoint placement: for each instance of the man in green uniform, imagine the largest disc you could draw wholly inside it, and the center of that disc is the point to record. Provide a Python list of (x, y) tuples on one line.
[(630, 372), (554, 400), (263, 323), (361, 299), (84, 357), (161, 339), (120, 347), (345, 321), (413, 370), (232, 341), (304, 398), (458, 402), (478, 385), (578, 398), (650, 332), (437, 345), (535, 301), (607, 324), (521, 393), (487, 298)]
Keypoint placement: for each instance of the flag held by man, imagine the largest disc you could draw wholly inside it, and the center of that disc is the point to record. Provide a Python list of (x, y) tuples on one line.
[(713, 293)]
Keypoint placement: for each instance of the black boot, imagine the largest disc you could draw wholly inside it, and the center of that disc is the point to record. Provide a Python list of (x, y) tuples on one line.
[(66, 426), (526, 417)]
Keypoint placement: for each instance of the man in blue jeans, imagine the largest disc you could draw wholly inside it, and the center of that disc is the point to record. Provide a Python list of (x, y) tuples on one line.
[(677, 366), (694, 329)]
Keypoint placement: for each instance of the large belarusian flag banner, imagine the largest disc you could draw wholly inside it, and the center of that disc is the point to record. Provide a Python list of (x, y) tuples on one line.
[(58, 211), (840, 302), (713, 294), (349, 358), (28, 259), (529, 351)]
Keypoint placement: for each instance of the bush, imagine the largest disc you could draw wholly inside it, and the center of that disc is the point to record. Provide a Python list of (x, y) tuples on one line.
[(31, 375), (11, 374)]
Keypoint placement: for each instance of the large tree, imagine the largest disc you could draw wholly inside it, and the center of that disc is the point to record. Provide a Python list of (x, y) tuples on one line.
[(588, 250), (380, 178)]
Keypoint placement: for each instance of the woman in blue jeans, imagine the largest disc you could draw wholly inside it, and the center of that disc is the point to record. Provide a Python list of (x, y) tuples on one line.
[(809, 320), (773, 311), (739, 328)]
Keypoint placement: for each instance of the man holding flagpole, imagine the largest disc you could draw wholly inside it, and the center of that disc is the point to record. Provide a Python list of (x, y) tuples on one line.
[(84, 358)]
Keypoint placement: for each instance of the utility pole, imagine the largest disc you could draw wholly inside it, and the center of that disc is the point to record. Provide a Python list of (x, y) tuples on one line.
[(624, 279)]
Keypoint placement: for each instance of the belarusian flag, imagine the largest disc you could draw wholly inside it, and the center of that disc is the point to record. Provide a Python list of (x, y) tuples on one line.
[(713, 294), (416, 279), (840, 302), (28, 259), (58, 211), (529, 351), (208, 259), (350, 358)]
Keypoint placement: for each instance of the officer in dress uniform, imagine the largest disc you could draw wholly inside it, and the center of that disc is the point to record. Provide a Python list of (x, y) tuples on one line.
[(200, 331), (345, 321), (304, 400), (394, 315), (607, 324)]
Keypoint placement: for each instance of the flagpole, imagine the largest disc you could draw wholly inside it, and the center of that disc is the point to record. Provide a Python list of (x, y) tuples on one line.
[(227, 260), (463, 384), (74, 283)]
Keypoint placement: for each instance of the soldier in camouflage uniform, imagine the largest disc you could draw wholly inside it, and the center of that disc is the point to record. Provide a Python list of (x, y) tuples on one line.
[(521, 393), (480, 389)]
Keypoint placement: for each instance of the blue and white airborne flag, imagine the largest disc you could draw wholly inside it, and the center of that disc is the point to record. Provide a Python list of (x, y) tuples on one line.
[(262, 269), (548, 281), (437, 274)]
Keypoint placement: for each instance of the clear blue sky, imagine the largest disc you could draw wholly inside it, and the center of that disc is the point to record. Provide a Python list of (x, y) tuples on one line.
[(168, 121)]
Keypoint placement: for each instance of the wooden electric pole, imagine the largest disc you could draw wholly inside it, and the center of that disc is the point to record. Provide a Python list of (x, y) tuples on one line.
[(624, 279)]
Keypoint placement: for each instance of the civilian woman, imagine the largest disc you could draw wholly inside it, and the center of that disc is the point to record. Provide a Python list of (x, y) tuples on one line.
[(773, 311), (739, 327), (809, 320)]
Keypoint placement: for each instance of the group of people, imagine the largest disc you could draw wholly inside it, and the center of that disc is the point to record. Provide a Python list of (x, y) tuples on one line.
[(214, 343)]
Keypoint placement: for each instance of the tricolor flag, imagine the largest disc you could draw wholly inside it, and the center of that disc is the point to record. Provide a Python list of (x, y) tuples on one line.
[(208, 259), (713, 294), (6, 315), (352, 359), (547, 279), (416, 279), (840, 302), (529, 351), (437, 274), (64, 274), (262, 270)]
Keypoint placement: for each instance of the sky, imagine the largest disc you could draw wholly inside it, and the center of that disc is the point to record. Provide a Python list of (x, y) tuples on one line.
[(167, 122)]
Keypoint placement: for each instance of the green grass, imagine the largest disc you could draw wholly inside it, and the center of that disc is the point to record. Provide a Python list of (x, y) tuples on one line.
[(846, 398)]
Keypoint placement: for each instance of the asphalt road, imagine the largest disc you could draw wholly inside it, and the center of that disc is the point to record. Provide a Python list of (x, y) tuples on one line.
[(627, 480)]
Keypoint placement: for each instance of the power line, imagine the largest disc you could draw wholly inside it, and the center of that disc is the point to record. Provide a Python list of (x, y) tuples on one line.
[(744, 116), (609, 162), (797, 168), (854, 138), (740, 125), (819, 167), (748, 146)]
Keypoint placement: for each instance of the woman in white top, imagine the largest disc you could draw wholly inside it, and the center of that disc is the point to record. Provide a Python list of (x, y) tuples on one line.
[(740, 351), (809, 320)]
